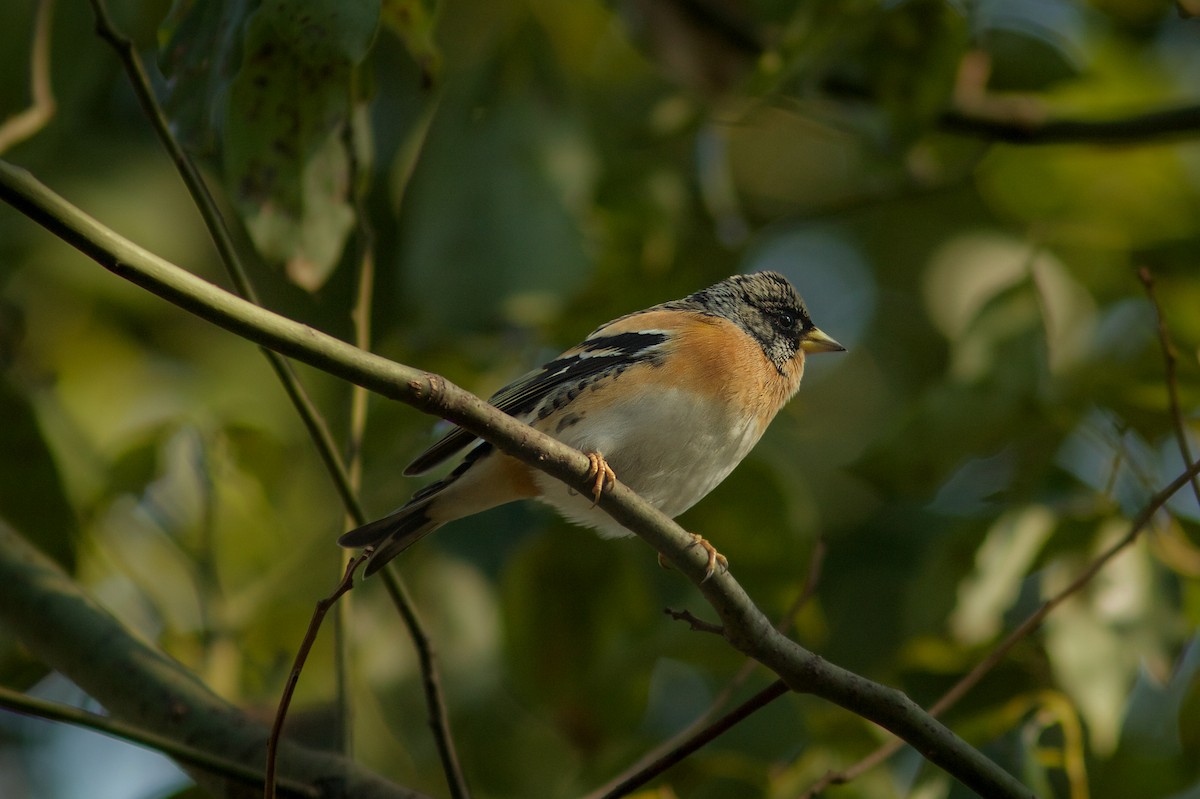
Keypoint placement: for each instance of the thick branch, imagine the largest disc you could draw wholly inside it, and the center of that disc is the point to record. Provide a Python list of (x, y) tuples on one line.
[(745, 626), (68, 631)]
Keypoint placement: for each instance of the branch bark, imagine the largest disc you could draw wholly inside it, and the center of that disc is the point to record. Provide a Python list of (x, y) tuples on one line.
[(745, 626)]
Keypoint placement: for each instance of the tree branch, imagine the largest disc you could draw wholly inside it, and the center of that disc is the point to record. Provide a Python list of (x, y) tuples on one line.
[(72, 634), (746, 628), (1016, 129), (1171, 376), (711, 732)]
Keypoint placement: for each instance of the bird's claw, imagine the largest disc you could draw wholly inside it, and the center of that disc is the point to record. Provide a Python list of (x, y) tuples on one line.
[(715, 558), (600, 473)]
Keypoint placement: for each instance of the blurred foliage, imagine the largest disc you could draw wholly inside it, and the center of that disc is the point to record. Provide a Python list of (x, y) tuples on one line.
[(532, 168)]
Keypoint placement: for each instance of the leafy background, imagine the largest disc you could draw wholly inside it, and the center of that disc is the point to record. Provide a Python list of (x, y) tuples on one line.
[(530, 169)]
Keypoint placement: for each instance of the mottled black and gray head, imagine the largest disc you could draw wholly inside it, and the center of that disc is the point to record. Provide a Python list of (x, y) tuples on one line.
[(768, 308)]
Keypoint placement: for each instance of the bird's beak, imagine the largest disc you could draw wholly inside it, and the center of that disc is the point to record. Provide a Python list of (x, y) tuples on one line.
[(816, 341)]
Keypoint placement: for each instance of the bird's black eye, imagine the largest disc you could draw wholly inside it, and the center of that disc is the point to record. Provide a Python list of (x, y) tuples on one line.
[(786, 319)]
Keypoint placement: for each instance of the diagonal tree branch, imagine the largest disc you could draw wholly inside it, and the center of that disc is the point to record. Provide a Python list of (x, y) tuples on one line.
[(1171, 376), (68, 631), (746, 628)]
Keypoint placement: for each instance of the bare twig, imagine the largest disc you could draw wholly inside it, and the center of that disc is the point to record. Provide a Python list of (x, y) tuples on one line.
[(711, 732), (1170, 359), (360, 315), (694, 622), (42, 105), (435, 703), (1031, 623), (289, 688)]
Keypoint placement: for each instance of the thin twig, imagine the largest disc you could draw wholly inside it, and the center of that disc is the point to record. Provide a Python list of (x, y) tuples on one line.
[(435, 703), (695, 742), (1031, 623), (42, 106), (289, 688), (360, 315), (1172, 379), (696, 623), (182, 753)]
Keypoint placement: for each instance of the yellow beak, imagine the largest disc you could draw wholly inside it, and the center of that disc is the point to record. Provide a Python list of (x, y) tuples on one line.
[(817, 341)]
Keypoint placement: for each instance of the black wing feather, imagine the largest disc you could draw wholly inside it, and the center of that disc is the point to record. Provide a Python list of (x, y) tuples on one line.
[(596, 356)]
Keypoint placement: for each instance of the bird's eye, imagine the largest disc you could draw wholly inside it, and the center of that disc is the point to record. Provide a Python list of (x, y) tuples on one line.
[(786, 319)]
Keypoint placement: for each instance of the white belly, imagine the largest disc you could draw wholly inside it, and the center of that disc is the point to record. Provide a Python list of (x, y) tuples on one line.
[(667, 446)]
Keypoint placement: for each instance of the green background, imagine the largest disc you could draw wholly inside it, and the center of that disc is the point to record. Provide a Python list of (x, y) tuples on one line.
[(532, 169)]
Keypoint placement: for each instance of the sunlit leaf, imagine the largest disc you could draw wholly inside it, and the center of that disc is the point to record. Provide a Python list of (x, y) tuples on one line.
[(1001, 563), (1087, 640)]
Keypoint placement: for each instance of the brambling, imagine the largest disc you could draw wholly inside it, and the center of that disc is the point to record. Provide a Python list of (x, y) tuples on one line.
[(670, 399)]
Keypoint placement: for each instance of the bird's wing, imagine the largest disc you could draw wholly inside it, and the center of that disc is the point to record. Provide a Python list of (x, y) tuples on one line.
[(606, 351)]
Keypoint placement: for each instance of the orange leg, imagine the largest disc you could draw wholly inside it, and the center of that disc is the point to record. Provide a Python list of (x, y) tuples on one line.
[(715, 558), (603, 474)]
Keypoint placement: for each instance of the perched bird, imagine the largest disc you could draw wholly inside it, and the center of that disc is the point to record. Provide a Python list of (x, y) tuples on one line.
[(670, 399)]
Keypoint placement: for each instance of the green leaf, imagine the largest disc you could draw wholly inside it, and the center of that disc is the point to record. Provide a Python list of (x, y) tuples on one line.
[(285, 159), (1011, 546), (324, 31)]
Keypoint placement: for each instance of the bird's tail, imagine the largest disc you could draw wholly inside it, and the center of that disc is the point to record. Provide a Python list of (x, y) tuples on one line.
[(397, 531)]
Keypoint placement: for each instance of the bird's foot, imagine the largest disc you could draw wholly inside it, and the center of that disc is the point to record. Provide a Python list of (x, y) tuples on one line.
[(601, 474), (715, 558)]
